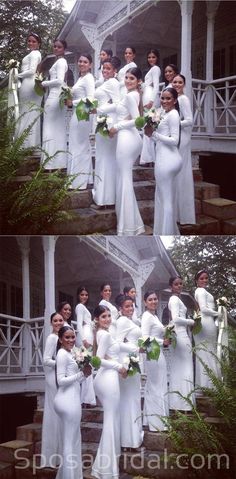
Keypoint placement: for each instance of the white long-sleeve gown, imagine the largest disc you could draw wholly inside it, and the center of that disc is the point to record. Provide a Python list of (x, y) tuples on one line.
[(54, 119), (104, 192), (207, 338), (68, 407), (167, 166), (29, 101), (185, 196), (50, 427), (150, 93), (80, 155), (130, 389), (155, 395), (181, 368), (85, 331)]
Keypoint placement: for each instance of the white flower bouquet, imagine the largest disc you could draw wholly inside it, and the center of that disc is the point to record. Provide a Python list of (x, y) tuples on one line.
[(83, 357), (104, 123), (66, 94), (38, 88), (171, 335), (151, 118), (223, 301), (150, 347), (197, 322), (132, 364), (84, 107), (12, 64)]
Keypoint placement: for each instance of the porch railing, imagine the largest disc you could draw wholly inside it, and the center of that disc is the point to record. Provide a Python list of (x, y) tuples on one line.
[(21, 346)]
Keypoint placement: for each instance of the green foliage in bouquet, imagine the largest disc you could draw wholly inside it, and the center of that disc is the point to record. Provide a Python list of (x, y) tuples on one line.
[(171, 335), (133, 365), (65, 94), (197, 322), (151, 347), (38, 88), (84, 107)]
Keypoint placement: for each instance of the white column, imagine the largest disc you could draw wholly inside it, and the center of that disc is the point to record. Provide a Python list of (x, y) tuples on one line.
[(24, 245), (212, 7), (49, 243), (90, 33), (186, 42)]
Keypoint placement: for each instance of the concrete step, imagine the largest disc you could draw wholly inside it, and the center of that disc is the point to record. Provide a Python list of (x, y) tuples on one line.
[(197, 174), (13, 451), (229, 227), (33, 470), (91, 432), (205, 405), (38, 415), (144, 190), (205, 225), (141, 173), (92, 415), (6, 470), (78, 199), (29, 432), (204, 190), (219, 208), (30, 164)]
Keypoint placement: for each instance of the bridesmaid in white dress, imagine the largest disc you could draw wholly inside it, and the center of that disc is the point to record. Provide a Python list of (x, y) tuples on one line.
[(130, 388), (207, 338), (167, 166), (129, 55), (185, 196), (50, 427), (29, 101), (67, 405), (80, 155), (150, 99), (64, 308), (85, 338), (155, 395), (106, 292), (129, 146), (107, 388), (104, 192), (171, 70), (54, 120), (181, 369), (104, 55), (131, 292)]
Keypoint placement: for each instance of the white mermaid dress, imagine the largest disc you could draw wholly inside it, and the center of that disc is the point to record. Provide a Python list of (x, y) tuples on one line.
[(104, 192), (80, 154), (185, 196), (130, 389), (68, 408), (85, 332), (181, 361), (50, 427), (207, 338), (54, 119), (155, 394), (167, 166), (29, 101)]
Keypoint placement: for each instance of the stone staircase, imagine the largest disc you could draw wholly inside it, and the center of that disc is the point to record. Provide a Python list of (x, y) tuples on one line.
[(215, 215), (19, 459)]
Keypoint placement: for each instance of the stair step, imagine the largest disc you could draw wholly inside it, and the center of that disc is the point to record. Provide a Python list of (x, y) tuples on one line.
[(141, 173), (34, 471), (92, 415), (91, 432), (219, 208), (6, 470), (13, 451), (197, 174), (30, 164), (205, 405), (229, 227), (78, 199), (29, 432), (38, 415), (204, 190), (144, 190), (205, 225)]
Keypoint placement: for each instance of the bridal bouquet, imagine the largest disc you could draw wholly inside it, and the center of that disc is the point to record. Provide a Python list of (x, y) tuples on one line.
[(12, 64), (223, 301), (171, 335), (198, 322), (104, 123), (132, 361), (84, 107), (65, 94), (83, 357), (150, 347), (38, 88), (151, 118)]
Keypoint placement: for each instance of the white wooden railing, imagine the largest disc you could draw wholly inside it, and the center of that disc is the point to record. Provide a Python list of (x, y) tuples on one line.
[(21, 346)]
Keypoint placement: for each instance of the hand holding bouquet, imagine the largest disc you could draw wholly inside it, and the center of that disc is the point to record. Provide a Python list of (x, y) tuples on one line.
[(170, 334), (150, 347), (65, 95), (150, 120), (84, 107), (103, 126), (83, 357), (132, 362), (38, 88), (198, 322)]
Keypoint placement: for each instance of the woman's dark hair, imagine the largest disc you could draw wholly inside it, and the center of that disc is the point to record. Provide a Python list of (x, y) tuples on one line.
[(131, 48), (99, 310), (175, 95), (122, 299), (60, 334), (115, 61), (136, 72), (108, 51), (174, 67), (148, 293), (126, 289), (79, 290), (103, 286), (173, 278), (36, 36), (155, 52), (199, 273), (53, 314), (60, 306), (63, 42), (86, 55), (180, 75)]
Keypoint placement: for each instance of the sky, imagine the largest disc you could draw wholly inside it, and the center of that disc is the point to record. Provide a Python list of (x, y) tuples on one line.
[(68, 4)]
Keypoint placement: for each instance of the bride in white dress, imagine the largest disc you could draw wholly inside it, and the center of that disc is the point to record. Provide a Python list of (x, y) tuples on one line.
[(181, 368), (155, 395), (104, 192), (167, 165), (107, 388), (80, 155), (50, 428), (106, 292), (207, 337), (54, 119), (29, 101), (185, 196), (67, 405), (129, 55)]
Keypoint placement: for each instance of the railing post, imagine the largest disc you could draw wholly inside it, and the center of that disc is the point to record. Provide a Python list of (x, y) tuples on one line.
[(24, 245), (49, 243), (209, 103)]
